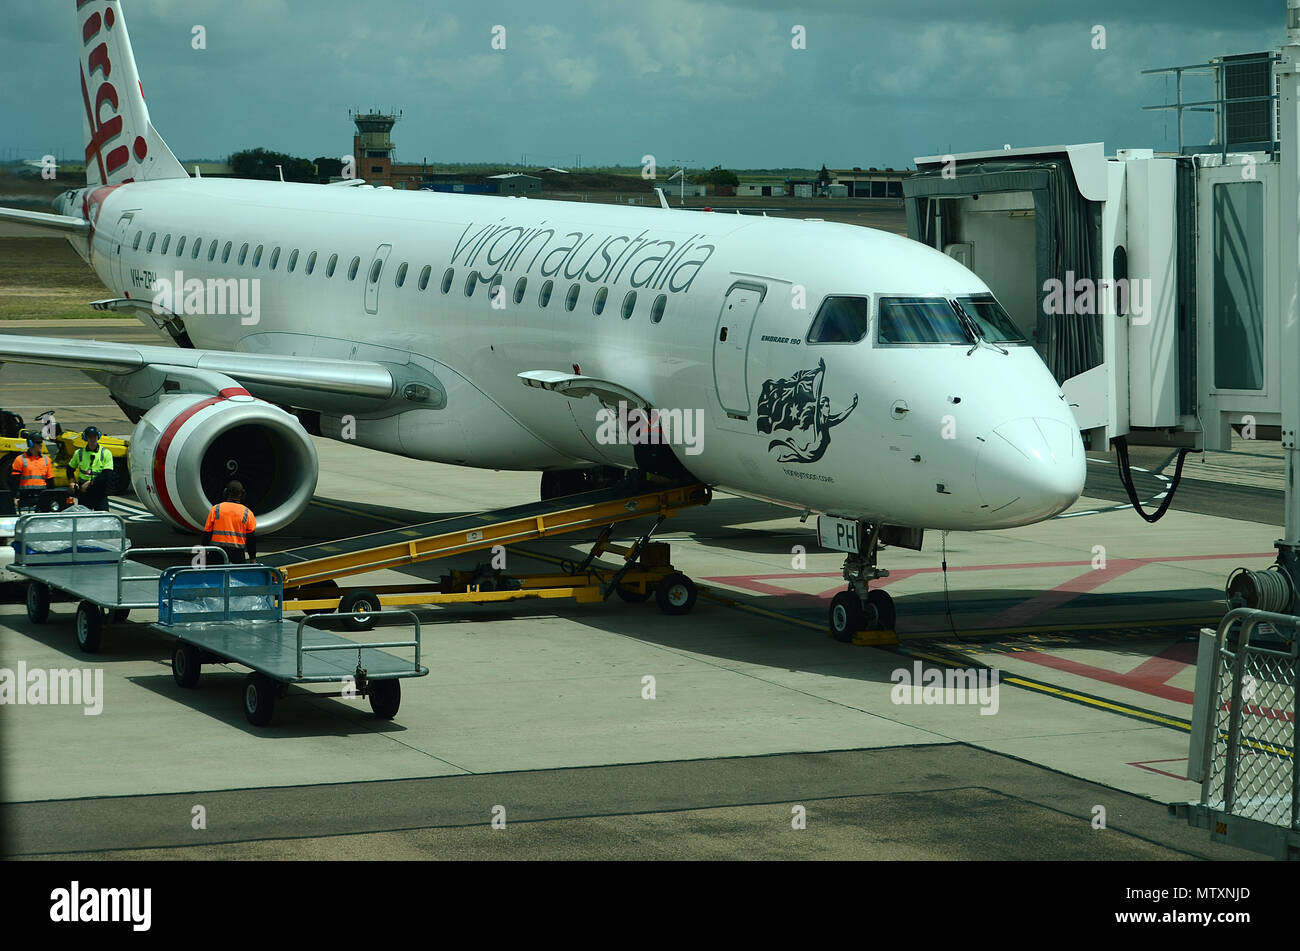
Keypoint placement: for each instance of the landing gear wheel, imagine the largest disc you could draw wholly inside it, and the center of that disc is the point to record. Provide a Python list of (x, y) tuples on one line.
[(259, 699), (38, 602), (847, 616), (885, 613), (120, 615), (90, 626), (632, 595), (385, 698), (187, 664), (359, 603), (676, 594)]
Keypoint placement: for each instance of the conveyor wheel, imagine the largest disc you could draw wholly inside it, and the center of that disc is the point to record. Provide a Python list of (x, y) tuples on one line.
[(359, 603), (675, 594), (385, 698), (90, 626), (120, 615), (847, 616), (187, 664), (886, 616), (38, 602), (259, 699)]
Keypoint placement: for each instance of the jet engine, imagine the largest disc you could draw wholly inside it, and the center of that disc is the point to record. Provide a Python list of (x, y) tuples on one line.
[(187, 447)]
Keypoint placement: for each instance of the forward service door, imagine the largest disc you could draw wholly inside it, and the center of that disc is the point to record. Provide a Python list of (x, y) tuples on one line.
[(731, 347)]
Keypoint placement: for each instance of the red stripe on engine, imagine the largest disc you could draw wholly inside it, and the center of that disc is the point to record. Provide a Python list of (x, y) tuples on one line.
[(160, 460), (230, 391)]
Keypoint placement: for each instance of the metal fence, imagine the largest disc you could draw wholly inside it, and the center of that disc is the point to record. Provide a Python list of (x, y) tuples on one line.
[(1243, 742)]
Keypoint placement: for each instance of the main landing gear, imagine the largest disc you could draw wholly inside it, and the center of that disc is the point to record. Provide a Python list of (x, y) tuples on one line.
[(858, 608)]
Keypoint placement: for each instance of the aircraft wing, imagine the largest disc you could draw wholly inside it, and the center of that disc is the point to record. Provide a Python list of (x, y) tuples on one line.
[(255, 371), (22, 224)]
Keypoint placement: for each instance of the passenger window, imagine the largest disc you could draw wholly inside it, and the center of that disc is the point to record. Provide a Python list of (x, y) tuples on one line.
[(471, 282), (424, 276), (629, 305), (243, 255), (657, 311), (225, 252), (149, 247), (375, 270), (212, 251), (544, 296), (275, 258), (136, 245), (841, 320), (198, 248), (598, 305), (353, 268), (571, 299), (180, 247), (167, 240), (333, 262), (257, 257), (521, 286), (401, 274), (310, 266), (447, 277), (912, 320), (293, 261)]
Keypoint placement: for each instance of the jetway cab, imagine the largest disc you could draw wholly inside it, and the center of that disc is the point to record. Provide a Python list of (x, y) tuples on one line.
[(1152, 284)]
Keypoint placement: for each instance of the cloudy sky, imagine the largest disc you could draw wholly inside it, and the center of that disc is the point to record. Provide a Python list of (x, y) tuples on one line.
[(704, 82)]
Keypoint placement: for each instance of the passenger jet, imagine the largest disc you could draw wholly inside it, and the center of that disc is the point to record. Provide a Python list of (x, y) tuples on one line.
[(825, 367)]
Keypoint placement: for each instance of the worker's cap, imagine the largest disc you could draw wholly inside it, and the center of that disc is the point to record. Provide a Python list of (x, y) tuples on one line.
[(35, 439), (90, 433)]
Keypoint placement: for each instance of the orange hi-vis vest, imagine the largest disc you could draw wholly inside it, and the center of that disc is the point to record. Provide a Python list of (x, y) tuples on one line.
[(33, 473), (230, 523)]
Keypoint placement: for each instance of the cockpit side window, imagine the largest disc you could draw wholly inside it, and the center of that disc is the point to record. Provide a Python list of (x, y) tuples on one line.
[(991, 320), (841, 320), (912, 320)]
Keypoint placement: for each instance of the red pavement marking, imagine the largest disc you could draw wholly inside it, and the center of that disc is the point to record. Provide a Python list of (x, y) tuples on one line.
[(1141, 764), (1026, 611), (1140, 684)]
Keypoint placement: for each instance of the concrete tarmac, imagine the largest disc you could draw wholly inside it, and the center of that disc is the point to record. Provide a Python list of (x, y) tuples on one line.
[(543, 708)]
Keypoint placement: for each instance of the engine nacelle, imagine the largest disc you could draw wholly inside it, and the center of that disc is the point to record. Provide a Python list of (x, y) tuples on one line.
[(188, 447)]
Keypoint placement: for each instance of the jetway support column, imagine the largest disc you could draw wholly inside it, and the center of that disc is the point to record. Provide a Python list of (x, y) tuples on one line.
[(1289, 287)]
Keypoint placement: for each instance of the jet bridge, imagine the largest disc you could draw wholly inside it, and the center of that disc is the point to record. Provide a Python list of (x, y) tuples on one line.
[(1163, 291)]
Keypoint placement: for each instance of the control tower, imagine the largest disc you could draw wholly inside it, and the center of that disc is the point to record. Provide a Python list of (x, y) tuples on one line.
[(373, 146)]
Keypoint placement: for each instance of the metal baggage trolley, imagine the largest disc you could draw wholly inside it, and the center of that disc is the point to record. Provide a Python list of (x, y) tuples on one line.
[(234, 614), (87, 558)]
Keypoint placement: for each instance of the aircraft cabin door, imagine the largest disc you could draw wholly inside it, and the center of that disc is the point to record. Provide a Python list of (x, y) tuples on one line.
[(731, 346), (123, 234), (374, 276)]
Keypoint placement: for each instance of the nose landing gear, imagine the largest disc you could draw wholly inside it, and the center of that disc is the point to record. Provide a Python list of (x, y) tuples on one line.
[(858, 612)]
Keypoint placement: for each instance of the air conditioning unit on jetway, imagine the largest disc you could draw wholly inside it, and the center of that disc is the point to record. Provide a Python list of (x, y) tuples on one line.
[(1140, 278)]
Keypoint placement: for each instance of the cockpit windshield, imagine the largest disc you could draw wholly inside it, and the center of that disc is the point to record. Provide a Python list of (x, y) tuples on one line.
[(993, 323), (905, 320)]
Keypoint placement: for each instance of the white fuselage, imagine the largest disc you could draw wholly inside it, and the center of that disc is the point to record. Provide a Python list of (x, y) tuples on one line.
[(940, 436)]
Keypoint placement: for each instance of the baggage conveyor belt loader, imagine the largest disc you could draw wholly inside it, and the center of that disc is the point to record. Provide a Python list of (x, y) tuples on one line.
[(310, 575)]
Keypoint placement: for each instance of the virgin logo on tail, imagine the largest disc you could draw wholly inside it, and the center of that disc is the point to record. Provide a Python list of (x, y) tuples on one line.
[(103, 131)]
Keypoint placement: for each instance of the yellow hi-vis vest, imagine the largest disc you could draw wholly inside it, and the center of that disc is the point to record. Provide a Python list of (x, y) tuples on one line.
[(87, 463)]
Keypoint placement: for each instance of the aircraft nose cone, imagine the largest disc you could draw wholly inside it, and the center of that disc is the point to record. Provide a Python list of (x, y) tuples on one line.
[(1030, 468)]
